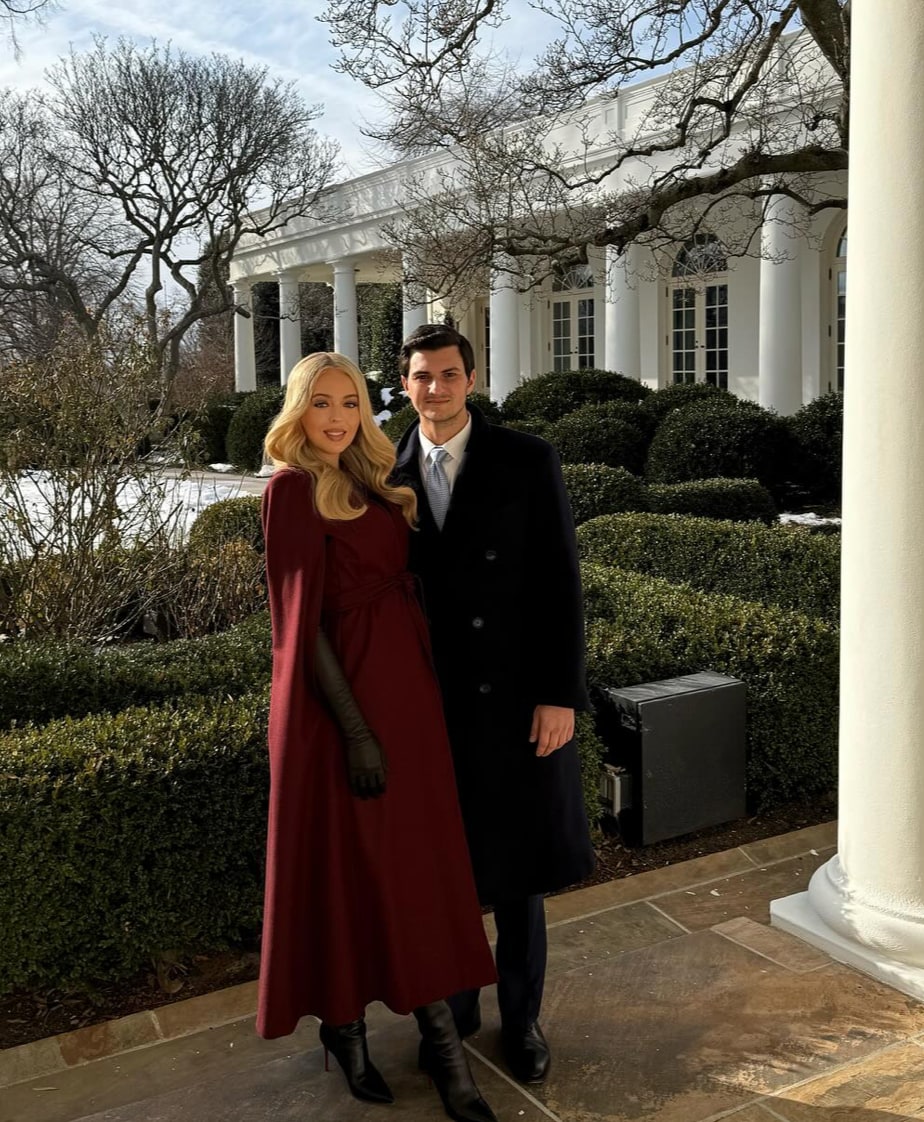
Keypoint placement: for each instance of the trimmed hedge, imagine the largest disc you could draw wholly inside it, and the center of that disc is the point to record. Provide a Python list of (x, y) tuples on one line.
[(737, 500), (732, 439), (818, 428), (665, 400), (249, 426), (644, 629), (131, 835), (592, 752), (398, 424), (551, 396), (596, 489), (226, 521), (600, 434), (779, 565), (211, 425), (41, 681)]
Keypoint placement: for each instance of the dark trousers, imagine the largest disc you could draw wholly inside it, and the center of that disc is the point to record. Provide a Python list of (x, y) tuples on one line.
[(520, 954)]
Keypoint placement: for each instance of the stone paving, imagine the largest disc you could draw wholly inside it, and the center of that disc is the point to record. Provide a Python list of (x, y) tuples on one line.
[(669, 999)]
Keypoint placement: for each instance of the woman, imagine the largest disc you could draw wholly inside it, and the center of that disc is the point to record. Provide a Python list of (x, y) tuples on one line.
[(369, 890)]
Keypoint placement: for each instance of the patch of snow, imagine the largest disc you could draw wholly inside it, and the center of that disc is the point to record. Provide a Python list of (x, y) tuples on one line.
[(221, 467), (381, 418), (265, 471), (808, 519)]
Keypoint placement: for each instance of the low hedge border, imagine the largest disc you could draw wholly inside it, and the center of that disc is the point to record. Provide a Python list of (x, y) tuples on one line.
[(779, 565), (644, 629), (737, 500), (42, 681), (128, 836)]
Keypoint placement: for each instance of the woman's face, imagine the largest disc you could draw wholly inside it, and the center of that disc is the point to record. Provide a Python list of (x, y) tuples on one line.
[(331, 419)]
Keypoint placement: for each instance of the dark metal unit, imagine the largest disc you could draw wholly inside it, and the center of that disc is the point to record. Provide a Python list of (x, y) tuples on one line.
[(682, 742)]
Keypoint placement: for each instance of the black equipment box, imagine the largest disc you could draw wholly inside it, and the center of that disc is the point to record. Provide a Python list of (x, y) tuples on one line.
[(682, 741)]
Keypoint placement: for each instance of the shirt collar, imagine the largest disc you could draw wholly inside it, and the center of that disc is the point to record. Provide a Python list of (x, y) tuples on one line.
[(455, 446)]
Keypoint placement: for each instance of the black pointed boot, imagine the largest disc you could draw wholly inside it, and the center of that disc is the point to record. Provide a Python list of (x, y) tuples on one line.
[(446, 1064), (347, 1043)]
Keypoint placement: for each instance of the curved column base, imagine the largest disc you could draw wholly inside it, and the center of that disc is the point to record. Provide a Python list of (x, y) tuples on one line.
[(892, 946)]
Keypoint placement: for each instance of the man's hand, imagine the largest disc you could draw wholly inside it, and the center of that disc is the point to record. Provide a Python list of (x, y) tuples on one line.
[(552, 727)]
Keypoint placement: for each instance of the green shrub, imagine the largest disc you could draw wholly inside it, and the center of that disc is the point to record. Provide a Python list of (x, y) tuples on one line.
[(780, 565), (738, 500), (596, 489), (665, 400), (592, 752), (228, 520), (398, 423), (551, 396), (599, 434), (535, 426), (716, 438), (215, 589), (249, 427), (493, 413), (42, 681), (818, 429), (130, 835), (211, 424), (642, 629)]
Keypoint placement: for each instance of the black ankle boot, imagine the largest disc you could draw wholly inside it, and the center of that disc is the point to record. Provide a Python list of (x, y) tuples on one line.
[(446, 1064), (347, 1043)]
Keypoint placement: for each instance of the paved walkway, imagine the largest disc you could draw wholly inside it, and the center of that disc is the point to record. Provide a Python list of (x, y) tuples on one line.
[(670, 999)]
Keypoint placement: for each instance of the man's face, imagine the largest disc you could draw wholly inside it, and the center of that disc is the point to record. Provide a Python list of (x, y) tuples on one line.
[(438, 386)]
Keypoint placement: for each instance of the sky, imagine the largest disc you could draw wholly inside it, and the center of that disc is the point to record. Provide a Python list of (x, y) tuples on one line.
[(283, 35)]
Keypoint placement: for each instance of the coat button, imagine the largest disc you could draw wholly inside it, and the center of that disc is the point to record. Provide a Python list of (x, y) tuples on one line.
[(490, 555), (485, 687), (477, 622)]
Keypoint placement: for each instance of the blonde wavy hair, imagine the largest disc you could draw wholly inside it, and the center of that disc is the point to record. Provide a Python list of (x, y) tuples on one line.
[(365, 464)]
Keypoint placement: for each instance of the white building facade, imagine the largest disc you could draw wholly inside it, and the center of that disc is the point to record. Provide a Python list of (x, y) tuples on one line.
[(768, 326)]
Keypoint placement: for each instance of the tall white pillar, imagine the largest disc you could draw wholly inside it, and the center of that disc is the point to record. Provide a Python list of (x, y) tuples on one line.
[(866, 905), (416, 310), (505, 332), (245, 363), (779, 383), (623, 338), (346, 330), (290, 327)]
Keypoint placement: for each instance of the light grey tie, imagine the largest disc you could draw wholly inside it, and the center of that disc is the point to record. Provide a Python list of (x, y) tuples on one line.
[(438, 486)]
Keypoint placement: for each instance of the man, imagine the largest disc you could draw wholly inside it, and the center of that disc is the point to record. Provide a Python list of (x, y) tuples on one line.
[(497, 559)]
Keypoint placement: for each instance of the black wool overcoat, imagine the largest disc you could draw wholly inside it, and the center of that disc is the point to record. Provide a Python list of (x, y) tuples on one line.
[(502, 592)]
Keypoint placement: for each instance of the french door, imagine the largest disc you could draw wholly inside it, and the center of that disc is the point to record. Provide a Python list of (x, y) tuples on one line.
[(572, 334), (697, 337)]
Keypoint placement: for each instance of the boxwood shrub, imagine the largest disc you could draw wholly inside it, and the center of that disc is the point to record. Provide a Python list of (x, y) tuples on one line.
[(738, 500), (715, 438), (128, 835), (600, 434), (211, 425), (781, 565), (249, 427), (596, 489), (818, 428), (644, 629), (592, 752), (225, 521), (551, 396), (40, 681), (665, 400)]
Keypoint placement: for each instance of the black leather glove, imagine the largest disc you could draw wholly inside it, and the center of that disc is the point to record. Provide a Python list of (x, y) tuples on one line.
[(365, 759)]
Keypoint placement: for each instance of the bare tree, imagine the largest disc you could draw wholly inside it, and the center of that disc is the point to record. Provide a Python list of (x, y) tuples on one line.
[(14, 12), (159, 164), (753, 104)]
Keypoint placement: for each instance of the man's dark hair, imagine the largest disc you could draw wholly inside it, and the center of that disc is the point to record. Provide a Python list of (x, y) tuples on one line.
[(433, 337)]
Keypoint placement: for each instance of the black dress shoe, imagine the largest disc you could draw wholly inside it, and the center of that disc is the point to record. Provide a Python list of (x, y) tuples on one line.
[(527, 1054)]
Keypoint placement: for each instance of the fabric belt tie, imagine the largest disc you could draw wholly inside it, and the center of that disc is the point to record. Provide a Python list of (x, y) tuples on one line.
[(366, 593)]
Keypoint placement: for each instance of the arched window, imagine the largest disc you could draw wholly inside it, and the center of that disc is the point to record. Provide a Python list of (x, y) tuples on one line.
[(572, 313), (698, 312)]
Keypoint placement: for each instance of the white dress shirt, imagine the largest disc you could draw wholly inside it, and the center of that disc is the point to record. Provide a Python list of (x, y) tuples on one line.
[(455, 447)]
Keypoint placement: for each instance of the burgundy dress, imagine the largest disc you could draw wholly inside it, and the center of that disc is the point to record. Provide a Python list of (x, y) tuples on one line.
[(365, 899)]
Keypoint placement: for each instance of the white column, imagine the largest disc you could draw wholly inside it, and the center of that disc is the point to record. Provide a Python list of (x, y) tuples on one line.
[(505, 333), (416, 310), (245, 363), (866, 905), (623, 352), (779, 383), (346, 333), (525, 327), (290, 327)]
